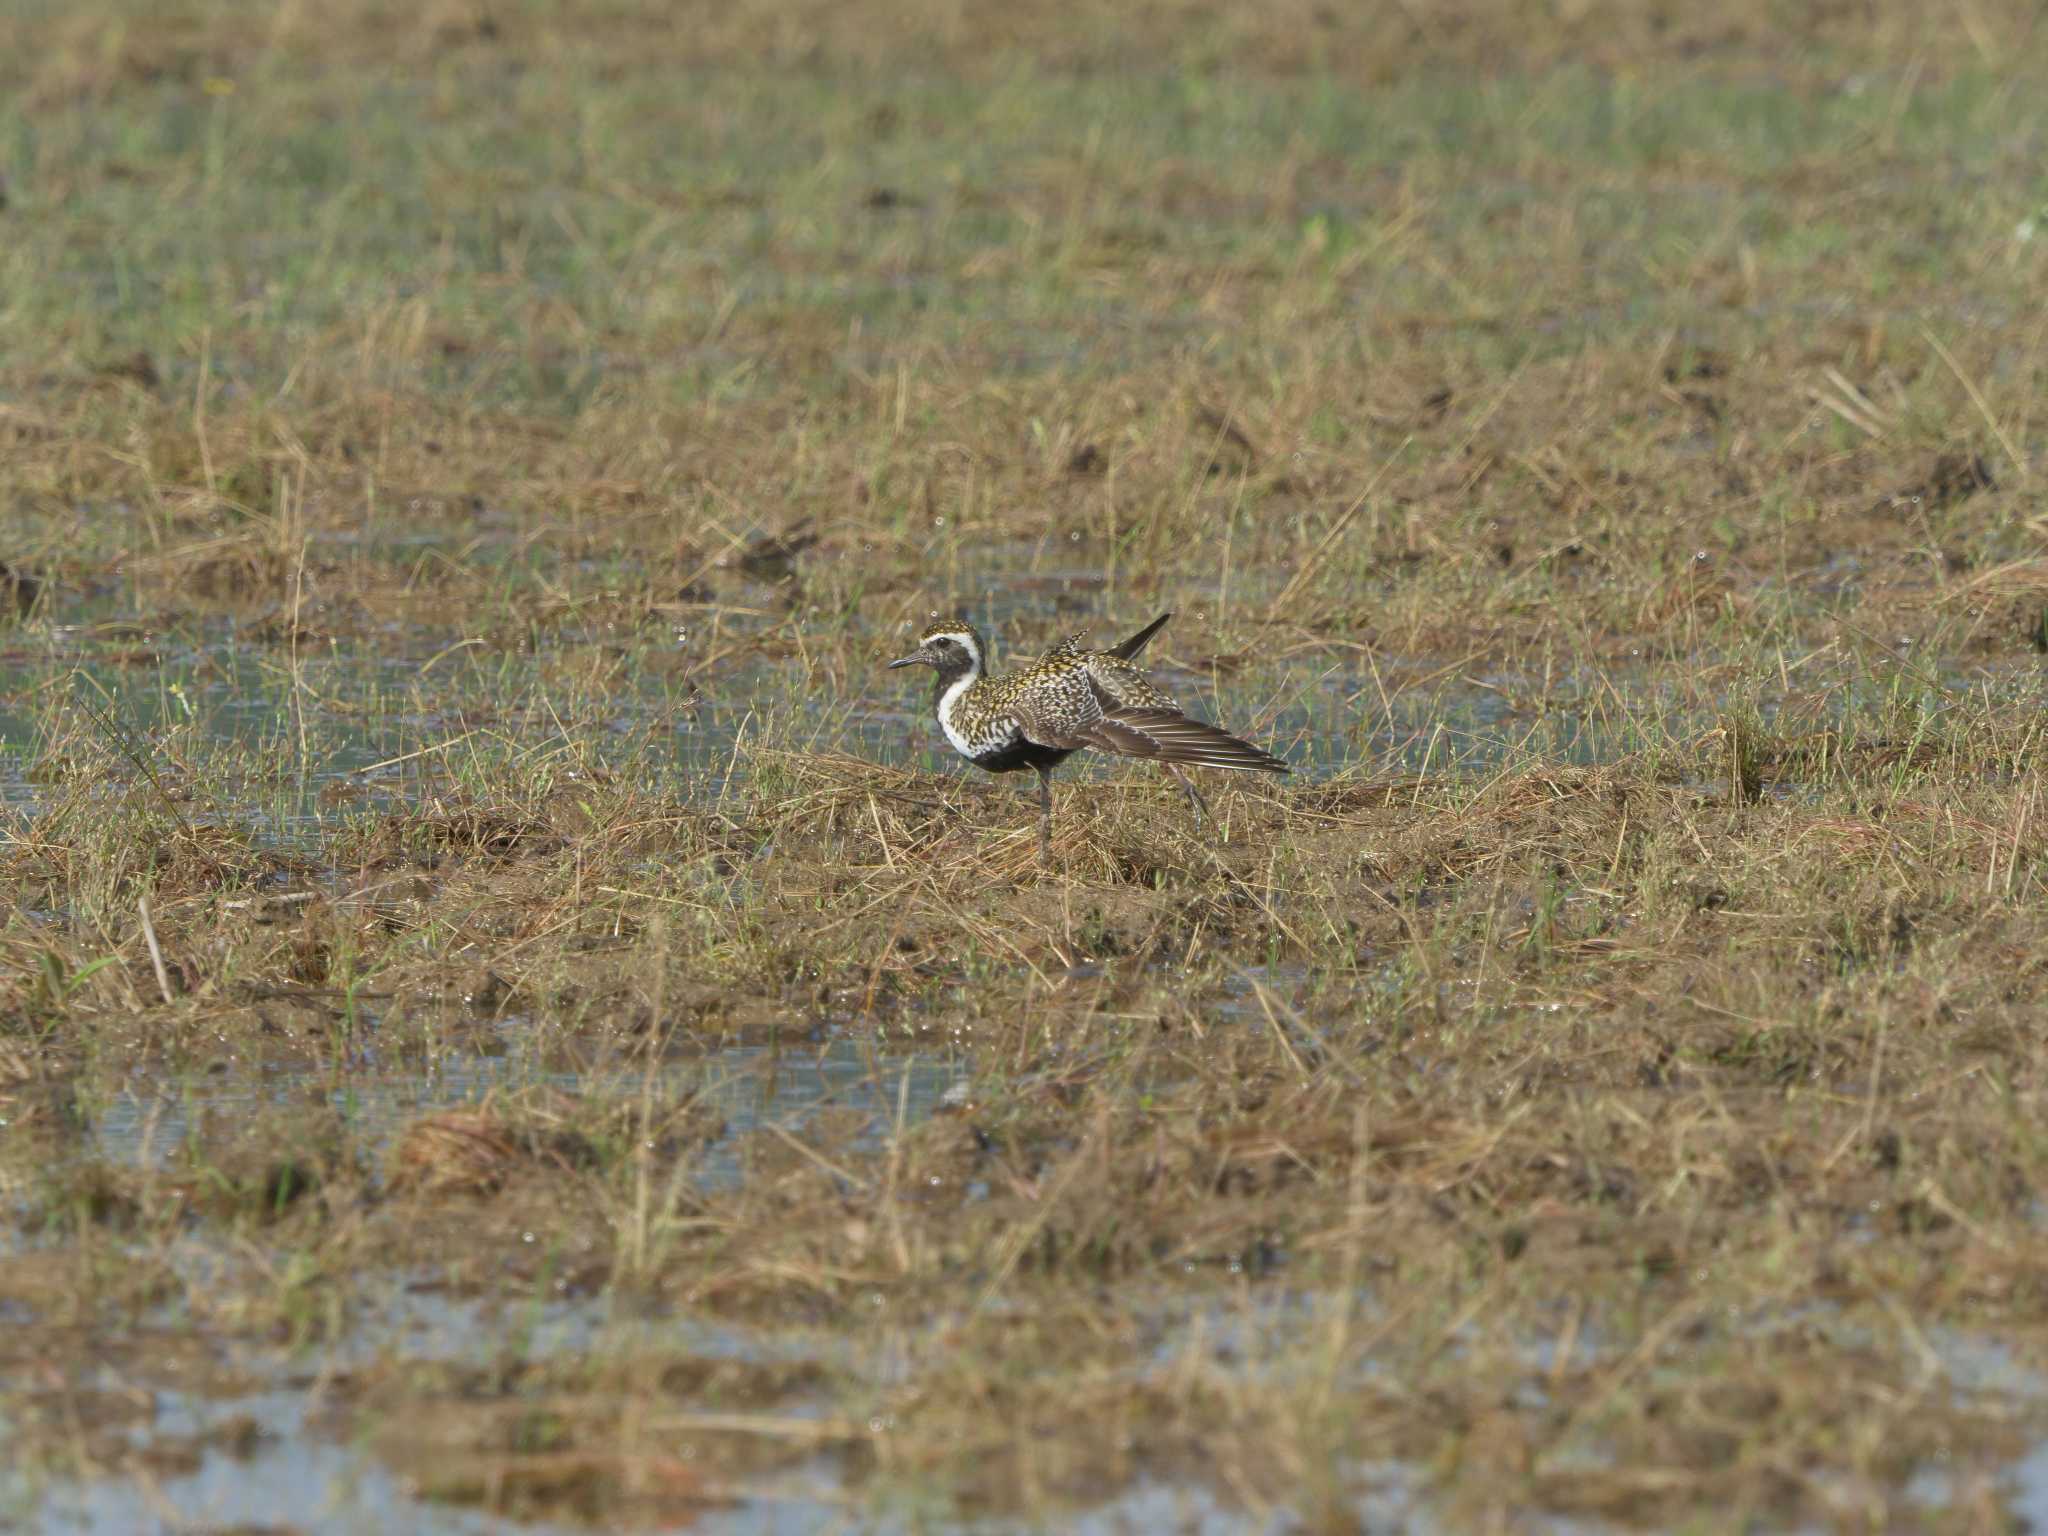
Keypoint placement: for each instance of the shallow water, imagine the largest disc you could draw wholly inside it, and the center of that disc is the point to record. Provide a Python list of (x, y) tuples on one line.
[(750, 1086), (242, 727), (294, 1475), (329, 1489), (298, 1462), (298, 739), (295, 1467)]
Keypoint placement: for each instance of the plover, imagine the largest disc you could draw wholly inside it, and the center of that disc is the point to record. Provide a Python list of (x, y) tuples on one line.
[(1069, 699)]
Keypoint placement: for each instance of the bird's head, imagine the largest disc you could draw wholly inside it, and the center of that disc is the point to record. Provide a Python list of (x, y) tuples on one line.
[(950, 647)]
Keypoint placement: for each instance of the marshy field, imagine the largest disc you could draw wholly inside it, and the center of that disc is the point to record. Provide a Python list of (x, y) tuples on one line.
[(511, 1020)]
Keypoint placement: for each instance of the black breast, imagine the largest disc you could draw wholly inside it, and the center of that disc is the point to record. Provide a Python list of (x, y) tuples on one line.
[(1022, 754)]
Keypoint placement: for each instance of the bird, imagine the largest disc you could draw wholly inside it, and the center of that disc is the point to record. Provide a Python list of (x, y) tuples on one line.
[(1069, 699)]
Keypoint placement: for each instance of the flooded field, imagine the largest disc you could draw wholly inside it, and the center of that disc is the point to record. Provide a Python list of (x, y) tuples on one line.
[(512, 1019)]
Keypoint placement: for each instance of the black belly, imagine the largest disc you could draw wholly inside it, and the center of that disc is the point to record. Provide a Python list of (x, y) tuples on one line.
[(1022, 754)]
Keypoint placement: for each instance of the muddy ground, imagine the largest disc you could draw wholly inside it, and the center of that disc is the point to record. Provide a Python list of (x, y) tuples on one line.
[(511, 1019)]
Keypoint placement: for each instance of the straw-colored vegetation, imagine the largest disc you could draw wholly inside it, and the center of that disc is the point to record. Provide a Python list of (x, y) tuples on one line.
[(467, 465)]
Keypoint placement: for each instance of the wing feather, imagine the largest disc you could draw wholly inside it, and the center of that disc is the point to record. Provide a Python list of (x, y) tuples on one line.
[(1097, 699), (1119, 685), (1057, 710), (1168, 736)]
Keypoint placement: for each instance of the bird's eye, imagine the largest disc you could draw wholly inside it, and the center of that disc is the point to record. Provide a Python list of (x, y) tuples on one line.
[(942, 643)]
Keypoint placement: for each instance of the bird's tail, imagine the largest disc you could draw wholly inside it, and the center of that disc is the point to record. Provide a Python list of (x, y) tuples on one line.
[(1136, 643)]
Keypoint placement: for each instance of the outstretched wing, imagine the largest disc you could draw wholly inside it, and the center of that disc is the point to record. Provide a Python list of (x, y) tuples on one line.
[(1168, 736), (1080, 713), (1099, 699), (1062, 706)]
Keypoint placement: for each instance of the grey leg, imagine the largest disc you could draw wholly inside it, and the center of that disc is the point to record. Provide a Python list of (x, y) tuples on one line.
[(1044, 817), (1195, 801)]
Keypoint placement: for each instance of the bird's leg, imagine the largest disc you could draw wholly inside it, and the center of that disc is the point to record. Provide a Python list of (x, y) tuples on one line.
[(1044, 818), (1195, 801)]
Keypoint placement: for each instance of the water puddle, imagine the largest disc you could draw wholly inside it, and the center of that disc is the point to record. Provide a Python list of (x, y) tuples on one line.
[(243, 1461), (248, 1463), (249, 1460), (750, 1087), (246, 1457), (287, 1439)]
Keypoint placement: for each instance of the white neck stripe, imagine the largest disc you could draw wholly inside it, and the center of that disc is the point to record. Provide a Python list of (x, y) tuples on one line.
[(946, 702)]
